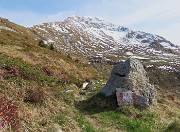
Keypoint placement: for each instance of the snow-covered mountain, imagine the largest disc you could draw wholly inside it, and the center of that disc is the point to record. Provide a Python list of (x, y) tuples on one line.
[(92, 36)]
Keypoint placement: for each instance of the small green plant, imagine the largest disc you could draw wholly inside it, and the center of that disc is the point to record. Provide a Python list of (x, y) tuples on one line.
[(81, 121), (69, 57), (42, 44), (61, 119), (77, 60), (173, 127), (85, 125), (126, 118), (89, 128), (48, 72), (137, 126), (128, 110), (51, 47)]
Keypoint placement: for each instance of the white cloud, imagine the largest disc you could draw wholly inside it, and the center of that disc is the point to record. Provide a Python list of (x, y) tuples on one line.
[(59, 16), (146, 11), (171, 33), (161, 17)]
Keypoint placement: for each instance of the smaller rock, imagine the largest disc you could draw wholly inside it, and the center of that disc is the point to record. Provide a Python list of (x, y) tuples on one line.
[(69, 91), (141, 102), (59, 130), (84, 86)]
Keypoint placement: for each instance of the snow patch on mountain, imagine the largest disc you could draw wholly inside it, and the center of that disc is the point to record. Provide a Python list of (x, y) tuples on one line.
[(7, 28), (91, 35)]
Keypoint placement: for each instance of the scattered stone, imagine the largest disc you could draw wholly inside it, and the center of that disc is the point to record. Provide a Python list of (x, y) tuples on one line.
[(95, 87), (130, 75), (59, 130), (84, 86), (69, 91), (92, 82)]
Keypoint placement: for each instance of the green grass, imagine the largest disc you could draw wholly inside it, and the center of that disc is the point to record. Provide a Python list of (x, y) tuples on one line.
[(173, 127), (61, 119), (84, 124), (142, 121), (27, 71), (126, 118)]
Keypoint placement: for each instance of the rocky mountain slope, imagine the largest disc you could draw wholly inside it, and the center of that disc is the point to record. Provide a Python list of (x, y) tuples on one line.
[(96, 37)]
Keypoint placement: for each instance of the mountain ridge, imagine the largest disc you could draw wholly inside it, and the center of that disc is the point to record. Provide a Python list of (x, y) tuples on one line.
[(92, 36)]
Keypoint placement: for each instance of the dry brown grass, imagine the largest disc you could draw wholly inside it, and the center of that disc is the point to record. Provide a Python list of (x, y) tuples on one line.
[(48, 60), (42, 116), (57, 109), (167, 109)]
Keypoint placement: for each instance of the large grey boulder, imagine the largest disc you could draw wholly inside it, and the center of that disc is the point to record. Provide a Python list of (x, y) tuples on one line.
[(131, 75)]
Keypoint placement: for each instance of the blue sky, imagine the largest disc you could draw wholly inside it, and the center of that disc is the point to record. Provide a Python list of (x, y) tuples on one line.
[(160, 17)]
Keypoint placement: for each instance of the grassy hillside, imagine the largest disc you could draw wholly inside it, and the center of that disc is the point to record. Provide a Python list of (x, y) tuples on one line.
[(44, 87), (37, 78)]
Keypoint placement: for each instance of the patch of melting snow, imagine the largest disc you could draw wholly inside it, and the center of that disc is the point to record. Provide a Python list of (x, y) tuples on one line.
[(45, 42), (7, 28), (166, 54), (139, 57), (58, 28), (167, 45), (50, 41), (42, 29), (85, 85), (129, 53), (149, 66), (81, 38), (164, 67), (158, 61), (115, 35), (168, 68)]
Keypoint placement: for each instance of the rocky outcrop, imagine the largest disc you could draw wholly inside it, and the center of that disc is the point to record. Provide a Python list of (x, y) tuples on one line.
[(130, 75)]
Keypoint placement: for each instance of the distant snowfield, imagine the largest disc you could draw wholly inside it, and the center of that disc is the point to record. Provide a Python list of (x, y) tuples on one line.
[(129, 53), (168, 68), (139, 57)]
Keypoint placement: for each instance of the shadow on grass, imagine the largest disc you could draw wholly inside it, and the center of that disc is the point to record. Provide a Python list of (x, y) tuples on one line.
[(97, 103)]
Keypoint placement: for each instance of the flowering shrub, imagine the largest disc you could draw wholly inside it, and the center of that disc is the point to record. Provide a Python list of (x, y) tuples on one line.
[(10, 69), (1, 74), (9, 114), (63, 78), (48, 72), (13, 71)]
